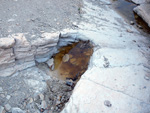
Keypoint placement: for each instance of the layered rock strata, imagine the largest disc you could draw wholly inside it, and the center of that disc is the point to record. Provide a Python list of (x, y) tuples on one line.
[(18, 52)]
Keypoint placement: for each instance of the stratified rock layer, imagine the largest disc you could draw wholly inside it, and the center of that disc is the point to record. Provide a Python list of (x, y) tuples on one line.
[(18, 52)]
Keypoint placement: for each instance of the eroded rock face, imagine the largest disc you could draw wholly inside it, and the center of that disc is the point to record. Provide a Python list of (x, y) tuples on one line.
[(18, 53), (143, 11)]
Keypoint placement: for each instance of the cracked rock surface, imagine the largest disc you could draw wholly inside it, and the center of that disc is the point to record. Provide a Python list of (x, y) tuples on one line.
[(117, 80)]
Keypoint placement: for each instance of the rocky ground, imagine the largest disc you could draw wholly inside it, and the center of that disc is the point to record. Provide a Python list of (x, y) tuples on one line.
[(20, 16), (31, 90), (117, 79)]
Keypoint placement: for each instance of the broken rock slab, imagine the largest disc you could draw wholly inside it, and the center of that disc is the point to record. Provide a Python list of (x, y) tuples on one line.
[(143, 11), (140, 1), (6, 43)]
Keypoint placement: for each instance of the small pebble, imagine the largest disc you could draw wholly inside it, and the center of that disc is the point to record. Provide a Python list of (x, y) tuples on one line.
[(30, 100), (1, 89), (8, 97), (1, 109), (140, 27), (7, 107), (17, 110), (131, 23), (43, 104), (147, 78), (41, 96), (128, 30), (107, 103)]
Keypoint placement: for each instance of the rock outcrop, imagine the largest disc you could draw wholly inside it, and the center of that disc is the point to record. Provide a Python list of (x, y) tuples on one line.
[(18, 52), (140, 1), (143, 11)]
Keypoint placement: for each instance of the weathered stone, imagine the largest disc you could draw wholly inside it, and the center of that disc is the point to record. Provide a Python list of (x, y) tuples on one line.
[(17, 110), (107, 103), (50, 62), (1, 89), (47, 38), (24, 65), (131, 22), (6, 56), (6, 43), (143, 11), (65, 58), (43, 56), (7, 107), (7, 72), (44, 104), (140, 1), (1, 109), (41, 96), (22, 48), (8, 97)]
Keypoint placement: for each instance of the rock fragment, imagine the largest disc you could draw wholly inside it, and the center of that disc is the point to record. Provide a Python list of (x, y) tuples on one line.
[(107, 103), (17, 110), (7, 107), (1, 109)]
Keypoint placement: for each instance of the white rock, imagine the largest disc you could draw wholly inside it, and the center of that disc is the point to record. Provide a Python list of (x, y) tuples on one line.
[(6, 42), (7, 107), (8, 97), (50, 62), (47, 38), (41, 96), (17, 110), (44, 104), (1, 109)]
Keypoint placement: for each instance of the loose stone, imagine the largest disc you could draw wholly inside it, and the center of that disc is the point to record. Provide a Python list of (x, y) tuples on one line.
[(7, 107), (107, 103), (17, 110), (1, 109), (131, 23), (128, 30), (65, 58), (8, 97), (41, 96), (43, 104), (147, 78), (1, 89)]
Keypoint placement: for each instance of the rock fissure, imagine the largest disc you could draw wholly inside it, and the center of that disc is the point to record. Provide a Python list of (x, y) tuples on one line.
[(116, 91)]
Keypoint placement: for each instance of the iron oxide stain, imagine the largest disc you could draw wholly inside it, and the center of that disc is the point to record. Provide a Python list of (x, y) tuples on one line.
[(72, 60)]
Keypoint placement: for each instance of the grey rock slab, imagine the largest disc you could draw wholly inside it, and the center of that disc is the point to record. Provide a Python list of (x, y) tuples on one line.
[(140, 1), (91, 100), (118, 57), (143, 11), (123, 82), (128, 79), (6, 42), (46, 38), (7, 72), (17, 110), (8, 97)]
